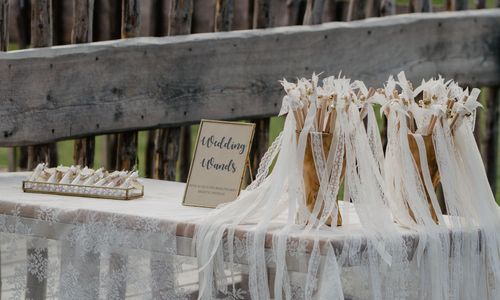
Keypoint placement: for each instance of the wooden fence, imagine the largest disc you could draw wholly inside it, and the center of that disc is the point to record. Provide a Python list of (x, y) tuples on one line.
[(164, 84)]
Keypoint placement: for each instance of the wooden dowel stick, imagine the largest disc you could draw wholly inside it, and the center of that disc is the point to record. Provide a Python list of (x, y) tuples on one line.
[(333, 118), (371, 92), (298, 125), (432, 123), (454, 122)]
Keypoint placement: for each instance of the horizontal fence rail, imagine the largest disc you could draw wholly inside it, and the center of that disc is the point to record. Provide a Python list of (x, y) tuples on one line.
[(63, 92)]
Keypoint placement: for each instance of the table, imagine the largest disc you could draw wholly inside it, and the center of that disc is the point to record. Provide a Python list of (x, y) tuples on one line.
[(65, 247), (59, 233)]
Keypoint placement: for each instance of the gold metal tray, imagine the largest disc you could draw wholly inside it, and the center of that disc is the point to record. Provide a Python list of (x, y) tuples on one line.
[(64, 189)]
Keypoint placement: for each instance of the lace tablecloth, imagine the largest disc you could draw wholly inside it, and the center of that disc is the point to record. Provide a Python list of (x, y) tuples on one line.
[(83, 248)]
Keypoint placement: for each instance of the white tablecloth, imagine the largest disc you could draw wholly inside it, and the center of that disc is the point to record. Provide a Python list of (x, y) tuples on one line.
[(82, 248)]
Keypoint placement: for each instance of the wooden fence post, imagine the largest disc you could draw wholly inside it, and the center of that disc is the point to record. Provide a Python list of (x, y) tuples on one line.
[(491, 151), (491, 131), (314, 12), (23, 21), (24, 24), (180, 23), (4, 46), (416, 6), (262, 14), (158, 27), (168, 141), (356, 10), (261, 19), (126, 142), (387, 8), (294, 12), (107, 26), (41, 36), (224, 14), (83, 14), (460, 5), (480, 4)]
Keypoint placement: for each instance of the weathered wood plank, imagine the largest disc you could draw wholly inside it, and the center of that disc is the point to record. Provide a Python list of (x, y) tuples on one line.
[(203, 16), (224, 15), (159, 17), (480, 4), (243, 15), (262, 13), (357, 10), (83, 151), (107, 20), (387, 8), (23, 23), (149, 154), (83, 15), (62, 12), (294, 15), (374, 8), (154, 82), (460, 5), (180, 17), (417, 6), (4, 25), (184, 159), (314, 12), (41, 23), (166, 153), (131, 20)]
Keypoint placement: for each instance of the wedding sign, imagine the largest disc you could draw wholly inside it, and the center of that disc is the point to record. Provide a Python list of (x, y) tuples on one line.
[(218, 163)]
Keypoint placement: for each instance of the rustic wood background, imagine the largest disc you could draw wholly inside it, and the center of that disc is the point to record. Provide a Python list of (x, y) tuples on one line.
[(163, 85)]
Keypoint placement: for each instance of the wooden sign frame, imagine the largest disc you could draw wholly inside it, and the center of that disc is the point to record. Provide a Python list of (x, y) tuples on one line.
[(244, 166)]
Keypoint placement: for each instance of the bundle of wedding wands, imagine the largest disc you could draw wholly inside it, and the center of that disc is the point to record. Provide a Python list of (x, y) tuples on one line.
[(435, 99), (325, 99), (416, 112)]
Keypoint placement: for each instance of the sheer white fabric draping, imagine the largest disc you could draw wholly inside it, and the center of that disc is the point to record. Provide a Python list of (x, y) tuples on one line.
[(458, 258)]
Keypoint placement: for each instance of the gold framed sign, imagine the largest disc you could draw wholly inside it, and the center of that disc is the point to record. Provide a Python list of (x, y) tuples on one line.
[(219, 162)]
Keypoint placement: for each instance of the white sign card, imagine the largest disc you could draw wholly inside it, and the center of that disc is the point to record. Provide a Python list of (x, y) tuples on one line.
[(219, 163)]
